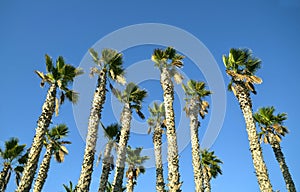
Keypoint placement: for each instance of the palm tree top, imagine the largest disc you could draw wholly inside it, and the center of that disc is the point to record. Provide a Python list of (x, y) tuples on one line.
[(196, 89), (170, 60), (211, 162), (55, 136), (135, 160), (241, 65), (12, 150), (132, 95), (111, 61), (271, 123), (112, 131)]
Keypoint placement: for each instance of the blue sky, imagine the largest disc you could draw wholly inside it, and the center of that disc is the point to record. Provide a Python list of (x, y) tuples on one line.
[(270, 28)]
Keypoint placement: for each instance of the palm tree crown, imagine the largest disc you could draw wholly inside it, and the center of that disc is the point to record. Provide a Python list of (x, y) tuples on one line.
[(61, 75), (157, 116), (196, 90), (132, 95), (270, 123), (241, 66), (169, 60), (110, 61), (211, 163), (14, 160)]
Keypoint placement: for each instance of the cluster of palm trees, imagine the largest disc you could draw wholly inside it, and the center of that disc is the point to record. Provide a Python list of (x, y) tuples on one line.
[(240, 66)]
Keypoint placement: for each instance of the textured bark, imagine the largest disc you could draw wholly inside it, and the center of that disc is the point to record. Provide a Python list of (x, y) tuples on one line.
[(290, 186), (84, 181), (43, 171), (261, 171), (173, 158), (37, 145), (193, 115), (206, 181), (5, 176), (106, 165), (121, 152), (130, 185), (157, 141)]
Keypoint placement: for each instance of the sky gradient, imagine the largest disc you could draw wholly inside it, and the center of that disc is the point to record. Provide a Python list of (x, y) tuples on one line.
[(270, 28)]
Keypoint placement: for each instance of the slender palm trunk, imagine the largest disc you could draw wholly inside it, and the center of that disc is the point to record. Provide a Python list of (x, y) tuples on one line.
[(5, 176), (130, 185), (106, 165), (44, 168), (261, 170), (37, 145), (193, 114), (173, 158), (157, 141), (84, 181), (124, 137), (290, 186), (206, 181)]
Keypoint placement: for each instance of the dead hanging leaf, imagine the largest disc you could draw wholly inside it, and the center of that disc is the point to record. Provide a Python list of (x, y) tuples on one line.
[(255, 79), (121, 80), (177, 63), (278, 128), (42, 84), (266, 140), (149, 130), (61, 156), (178, 78), (278, 139), (112, 74), (59, 83), (64, 149), (93, 71), (233, 90), (56, 106), (205, 104)]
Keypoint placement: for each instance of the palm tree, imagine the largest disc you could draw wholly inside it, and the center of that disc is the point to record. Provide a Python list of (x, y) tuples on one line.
[(272, 130), (156, 123), (109, 67), (211, 168), (195, 92), (112, 132), (135, 166), (54, 147), (14, 159), (132, 98), (167, 60), (58, 77), (69, 188), (241, 67)]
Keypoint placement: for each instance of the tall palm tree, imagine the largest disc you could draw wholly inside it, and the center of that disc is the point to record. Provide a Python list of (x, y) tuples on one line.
[(272, 130), (241, 67), (112, 132), (58, 77), (167, 60), (14, 159), (132, 98), (156, 123), (54, 147), (135, 166), (109, 67), (195, 92), (211, 168)]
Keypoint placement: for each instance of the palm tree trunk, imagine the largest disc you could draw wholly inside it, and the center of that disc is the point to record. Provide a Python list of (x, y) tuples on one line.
[(193, 114), (124, 137), (5, 176), (37, 145), (130, 185), (290, 186), (44, 168), (157, 141), (261, 170), (106, 166), (206, 182), (173, 158), (84, 181)]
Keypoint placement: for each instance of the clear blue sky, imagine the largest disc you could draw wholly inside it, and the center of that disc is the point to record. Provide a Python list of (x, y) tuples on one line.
[(270, 28)]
